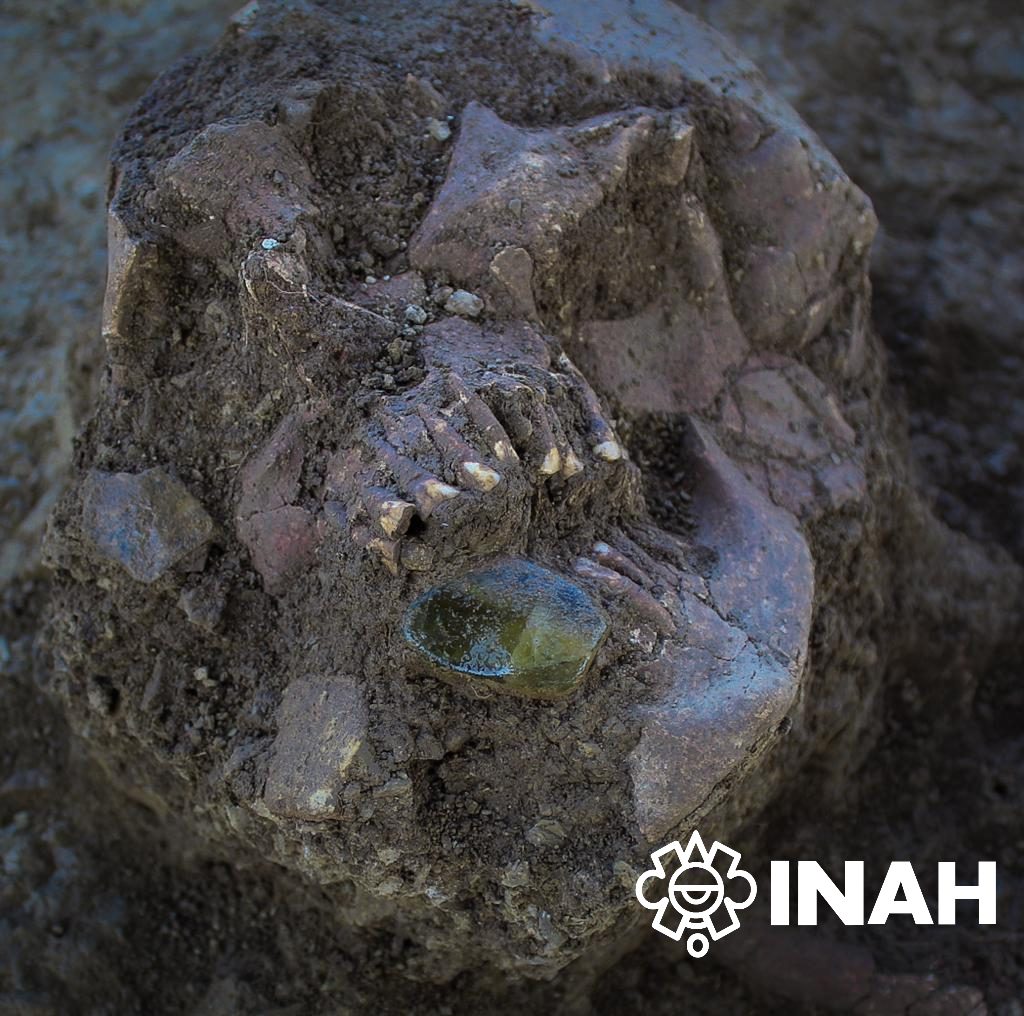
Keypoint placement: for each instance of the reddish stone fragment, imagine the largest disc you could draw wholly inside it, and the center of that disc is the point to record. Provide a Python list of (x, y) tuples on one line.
[(282, 542), (509, 186), (270, 478)]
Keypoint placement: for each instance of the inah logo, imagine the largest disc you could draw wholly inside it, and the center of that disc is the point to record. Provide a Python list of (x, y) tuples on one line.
[(900, 893), (697, 892)]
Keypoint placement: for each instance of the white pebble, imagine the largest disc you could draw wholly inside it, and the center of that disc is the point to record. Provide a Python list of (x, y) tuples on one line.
[(439, 130), (464, 303)]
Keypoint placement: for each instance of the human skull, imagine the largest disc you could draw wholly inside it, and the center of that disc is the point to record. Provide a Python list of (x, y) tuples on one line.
[(585, 322)]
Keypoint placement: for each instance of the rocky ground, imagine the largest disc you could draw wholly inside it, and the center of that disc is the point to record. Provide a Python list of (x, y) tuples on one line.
[(922, 103)]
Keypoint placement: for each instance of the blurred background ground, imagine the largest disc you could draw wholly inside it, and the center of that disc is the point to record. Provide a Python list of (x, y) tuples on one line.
[(923, 102)]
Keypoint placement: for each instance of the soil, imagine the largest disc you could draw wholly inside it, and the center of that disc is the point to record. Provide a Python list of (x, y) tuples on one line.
[(134, 879)]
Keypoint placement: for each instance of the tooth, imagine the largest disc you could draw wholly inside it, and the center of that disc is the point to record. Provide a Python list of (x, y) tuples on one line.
[(395, 516), (505, 451), (388, 551), (442, 491), (552, 463), (482, 476), (571, 464), (610, 451)]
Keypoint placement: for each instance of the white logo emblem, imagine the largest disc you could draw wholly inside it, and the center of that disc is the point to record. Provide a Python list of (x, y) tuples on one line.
[(696, 892)]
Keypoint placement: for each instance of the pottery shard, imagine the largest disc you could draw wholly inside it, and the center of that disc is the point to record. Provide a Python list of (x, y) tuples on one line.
[(321, 724), (657, 367), (712, 715), (776, 418), (146, 522), (280, 536), (810, 224), (764, 573), (129, 262)]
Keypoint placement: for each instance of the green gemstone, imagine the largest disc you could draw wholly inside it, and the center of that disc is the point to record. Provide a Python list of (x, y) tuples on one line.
[(520, 626)]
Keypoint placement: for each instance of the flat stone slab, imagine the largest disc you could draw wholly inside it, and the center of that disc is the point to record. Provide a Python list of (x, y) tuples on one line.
[(321, 724)]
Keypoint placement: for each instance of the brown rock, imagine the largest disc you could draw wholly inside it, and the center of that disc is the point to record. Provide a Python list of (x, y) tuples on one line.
[(321, 724), (146, 522), (509, 186), (129, 263)]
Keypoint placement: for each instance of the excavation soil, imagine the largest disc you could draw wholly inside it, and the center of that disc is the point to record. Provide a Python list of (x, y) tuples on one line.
[(95, 918)]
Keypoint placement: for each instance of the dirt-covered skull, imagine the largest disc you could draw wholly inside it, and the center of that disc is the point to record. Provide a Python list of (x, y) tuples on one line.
[(443, 528)]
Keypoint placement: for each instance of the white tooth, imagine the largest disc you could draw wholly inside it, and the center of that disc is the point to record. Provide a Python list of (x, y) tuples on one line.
[(435, 488), (610, 451), (571, 464), (505, 451), (551, 464), (394, 513), (483, 476), (388, 550)]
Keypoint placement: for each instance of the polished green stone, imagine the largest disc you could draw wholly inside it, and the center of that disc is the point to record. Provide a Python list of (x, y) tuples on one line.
[(513, 624)]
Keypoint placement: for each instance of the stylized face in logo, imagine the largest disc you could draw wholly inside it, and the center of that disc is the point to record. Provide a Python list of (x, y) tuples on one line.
[(697, 893), (486, 567), (696, 890)]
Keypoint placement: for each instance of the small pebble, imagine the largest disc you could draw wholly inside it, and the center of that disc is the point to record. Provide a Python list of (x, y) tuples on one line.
[(464, 303), (438, 130), (415, 314), (516, 875), (203, 605), (625, 873), (202, 676), (546, 832), (397, 786), (100, 698)]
